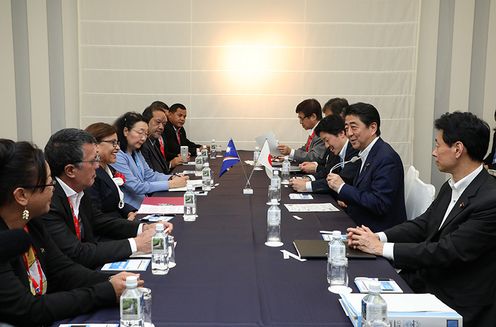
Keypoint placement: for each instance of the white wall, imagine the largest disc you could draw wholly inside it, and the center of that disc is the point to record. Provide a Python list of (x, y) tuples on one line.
[(92, 60)]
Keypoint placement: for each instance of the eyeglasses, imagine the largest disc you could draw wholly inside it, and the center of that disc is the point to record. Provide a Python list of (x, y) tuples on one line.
[(115, 143), (141, 132), (93, 161), (52, 183)]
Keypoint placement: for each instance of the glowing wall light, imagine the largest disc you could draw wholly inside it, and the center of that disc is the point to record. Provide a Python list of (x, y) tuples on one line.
[(248, 64)]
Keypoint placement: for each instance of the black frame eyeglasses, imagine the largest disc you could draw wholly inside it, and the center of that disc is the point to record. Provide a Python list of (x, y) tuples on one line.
[(52, 183)]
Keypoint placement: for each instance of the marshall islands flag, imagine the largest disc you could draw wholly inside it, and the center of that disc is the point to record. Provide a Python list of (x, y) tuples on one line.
[(230, 158)]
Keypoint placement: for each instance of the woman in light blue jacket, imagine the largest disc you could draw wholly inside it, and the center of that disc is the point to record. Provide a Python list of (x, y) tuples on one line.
[(141, 180)]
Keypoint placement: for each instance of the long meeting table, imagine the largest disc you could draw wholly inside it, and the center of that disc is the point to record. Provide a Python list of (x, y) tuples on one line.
[(227, 276)]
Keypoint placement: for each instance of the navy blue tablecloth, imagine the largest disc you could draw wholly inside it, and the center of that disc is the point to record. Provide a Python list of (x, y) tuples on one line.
[(226, 276)]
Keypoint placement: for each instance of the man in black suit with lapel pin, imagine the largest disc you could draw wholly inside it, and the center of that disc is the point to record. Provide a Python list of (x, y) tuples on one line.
[(154, 150), (175, 134), (376, 197), (450, 250), (75, 224)]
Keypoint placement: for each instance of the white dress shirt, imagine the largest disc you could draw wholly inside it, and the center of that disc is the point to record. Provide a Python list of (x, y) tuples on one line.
[(75, 199)]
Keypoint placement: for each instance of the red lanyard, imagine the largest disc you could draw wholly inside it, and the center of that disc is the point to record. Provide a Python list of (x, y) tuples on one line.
[(76, 220), (38, 286)]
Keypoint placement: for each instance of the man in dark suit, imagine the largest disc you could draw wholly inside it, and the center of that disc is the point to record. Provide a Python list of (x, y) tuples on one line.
[(309, 113), (153, 150), (77, 226), (450, 250), (331, 131), (175, 134), (377, 196)]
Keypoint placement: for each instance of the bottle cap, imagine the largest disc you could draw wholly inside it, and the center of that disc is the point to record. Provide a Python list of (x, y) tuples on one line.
[(159, 227), (273, 202), (336, 233), (206, 164), (213, 140), (189, 187), (374, 286), (286, 158), (131, 281), (276, 172), (257, 148)]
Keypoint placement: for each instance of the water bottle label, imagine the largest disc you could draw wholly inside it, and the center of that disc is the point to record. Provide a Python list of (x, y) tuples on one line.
[(131, 308), (206, 173), (189, 199), (199, 160), (158, 244)]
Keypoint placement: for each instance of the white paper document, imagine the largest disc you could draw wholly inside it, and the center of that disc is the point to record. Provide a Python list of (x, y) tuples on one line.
[(128, 265), (160, 209), (271, 139), (311, 207), (300, 196), (196, 183)]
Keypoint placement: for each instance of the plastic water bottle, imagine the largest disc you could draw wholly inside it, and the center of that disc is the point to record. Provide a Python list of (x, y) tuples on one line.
[(171, 249), (213, 149), (199, 163), (206, 177), (256, 154), (160, 257), (189, 204), (131, 304), (285, 170), (276, 181), (274, 223), (337, 249), (374, 308)]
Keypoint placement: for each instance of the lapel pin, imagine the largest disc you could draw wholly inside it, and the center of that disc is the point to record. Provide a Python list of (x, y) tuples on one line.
[(42, 250), (462, 205)]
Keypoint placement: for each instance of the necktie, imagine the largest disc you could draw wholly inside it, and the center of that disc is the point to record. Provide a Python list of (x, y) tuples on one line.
[(178, 137), (162, 148), (309, 141)]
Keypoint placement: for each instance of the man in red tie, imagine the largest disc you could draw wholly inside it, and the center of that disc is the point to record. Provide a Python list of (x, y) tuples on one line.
[(309, 113), (175, 134), (153, 149)]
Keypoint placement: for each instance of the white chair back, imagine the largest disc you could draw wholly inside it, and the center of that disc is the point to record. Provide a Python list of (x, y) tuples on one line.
[(418, 195)]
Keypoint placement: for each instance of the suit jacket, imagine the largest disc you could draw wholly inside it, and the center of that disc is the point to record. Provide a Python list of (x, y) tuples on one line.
[(172, 147), (376, 198), (456, 262), (315, 152), (347, 173), (71, 288), (89, 251), (489, 158), (140, 178), (105, 196), (154, 158)]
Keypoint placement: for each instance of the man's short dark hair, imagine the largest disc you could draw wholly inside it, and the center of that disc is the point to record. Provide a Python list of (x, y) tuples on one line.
[(333, 124), (309, 107), (467, 128), (336, 106), (66, 147), (176, 106), (367, 114), (148, 112)]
